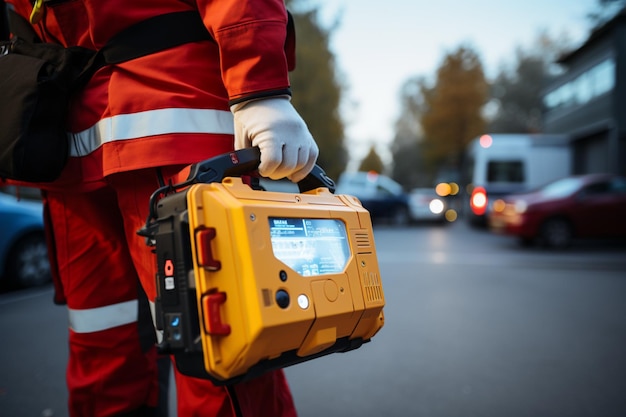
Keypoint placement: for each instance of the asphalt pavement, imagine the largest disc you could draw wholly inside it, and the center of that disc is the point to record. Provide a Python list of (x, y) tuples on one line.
[(476, 326)]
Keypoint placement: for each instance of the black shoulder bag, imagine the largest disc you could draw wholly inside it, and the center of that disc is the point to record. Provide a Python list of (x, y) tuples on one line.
[(37, 80)]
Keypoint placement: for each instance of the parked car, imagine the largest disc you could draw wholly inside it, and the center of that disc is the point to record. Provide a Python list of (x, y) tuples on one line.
[(426, 205), (23, 252), (583, 206), (383, 197)]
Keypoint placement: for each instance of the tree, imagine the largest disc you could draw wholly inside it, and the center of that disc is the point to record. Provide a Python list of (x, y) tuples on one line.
[(518, 94), (372, 162), (316, 88), (408, 164), (605, 10), (452, 114)]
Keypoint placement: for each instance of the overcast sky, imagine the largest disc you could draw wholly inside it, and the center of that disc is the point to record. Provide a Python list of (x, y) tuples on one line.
[(379, 44)]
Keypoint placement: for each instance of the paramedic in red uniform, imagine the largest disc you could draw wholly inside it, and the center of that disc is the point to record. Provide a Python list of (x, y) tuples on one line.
[(135, 125)]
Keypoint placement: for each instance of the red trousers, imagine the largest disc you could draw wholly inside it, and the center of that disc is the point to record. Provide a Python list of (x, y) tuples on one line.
[(100, 260)]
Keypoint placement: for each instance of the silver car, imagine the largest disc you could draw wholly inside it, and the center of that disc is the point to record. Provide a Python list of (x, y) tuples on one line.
[(425, 205)]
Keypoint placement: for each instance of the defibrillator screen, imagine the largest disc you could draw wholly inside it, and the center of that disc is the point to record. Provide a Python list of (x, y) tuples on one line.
[(310, 246)]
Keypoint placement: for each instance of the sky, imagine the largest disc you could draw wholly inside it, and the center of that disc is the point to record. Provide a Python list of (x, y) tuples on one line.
[(379, 44)]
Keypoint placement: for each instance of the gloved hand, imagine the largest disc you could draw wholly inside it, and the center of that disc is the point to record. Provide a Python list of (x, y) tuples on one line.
[(274, 125)]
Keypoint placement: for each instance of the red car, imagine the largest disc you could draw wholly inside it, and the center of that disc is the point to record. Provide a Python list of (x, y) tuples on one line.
[(581, 206)]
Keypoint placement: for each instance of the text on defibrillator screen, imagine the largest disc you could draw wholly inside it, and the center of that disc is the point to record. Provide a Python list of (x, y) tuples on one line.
[(310, 246)]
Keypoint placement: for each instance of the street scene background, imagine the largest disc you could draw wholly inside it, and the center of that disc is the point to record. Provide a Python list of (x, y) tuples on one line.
[(475, 326)]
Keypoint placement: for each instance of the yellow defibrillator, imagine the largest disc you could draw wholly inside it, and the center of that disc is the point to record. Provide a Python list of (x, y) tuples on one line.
[(252, 280)]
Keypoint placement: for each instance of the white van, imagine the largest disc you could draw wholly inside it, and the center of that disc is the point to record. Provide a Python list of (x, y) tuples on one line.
[(500, 164)]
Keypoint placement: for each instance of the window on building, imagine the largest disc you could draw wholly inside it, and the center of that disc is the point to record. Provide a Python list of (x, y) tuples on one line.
[(592, 83)]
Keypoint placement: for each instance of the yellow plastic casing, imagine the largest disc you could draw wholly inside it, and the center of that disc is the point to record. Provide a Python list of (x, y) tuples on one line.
[(238, 277)]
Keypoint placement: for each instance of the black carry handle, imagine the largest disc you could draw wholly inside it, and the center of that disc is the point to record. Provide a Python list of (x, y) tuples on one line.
[(245, 161), (232, 164)]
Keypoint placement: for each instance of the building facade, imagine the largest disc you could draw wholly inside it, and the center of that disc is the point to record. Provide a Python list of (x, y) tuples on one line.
[(588, 102)]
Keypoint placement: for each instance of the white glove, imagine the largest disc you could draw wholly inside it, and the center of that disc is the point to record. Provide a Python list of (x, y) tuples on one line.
[(274, 125)]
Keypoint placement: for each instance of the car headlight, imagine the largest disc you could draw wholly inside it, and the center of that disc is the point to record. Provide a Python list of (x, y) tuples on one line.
[(520, 206), (436, 206)]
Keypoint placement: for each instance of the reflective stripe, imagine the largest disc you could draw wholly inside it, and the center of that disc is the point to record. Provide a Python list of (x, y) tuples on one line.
[(159, 333), (103, 318), (151, 123)]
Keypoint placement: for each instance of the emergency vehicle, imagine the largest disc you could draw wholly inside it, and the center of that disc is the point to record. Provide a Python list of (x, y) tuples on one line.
[(500, 164)]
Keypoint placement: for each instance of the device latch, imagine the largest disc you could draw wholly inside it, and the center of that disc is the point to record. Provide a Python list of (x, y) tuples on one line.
[(205, 254), (213, 324)]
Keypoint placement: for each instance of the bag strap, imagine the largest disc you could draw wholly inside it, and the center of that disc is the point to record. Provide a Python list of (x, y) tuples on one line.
[(144, 38), (155, 34), (4, 22), (21, 27), (147, 37)]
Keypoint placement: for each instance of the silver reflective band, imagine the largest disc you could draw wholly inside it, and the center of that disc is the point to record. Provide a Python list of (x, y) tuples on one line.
[(159, 333), (103, 318), (150, 123)]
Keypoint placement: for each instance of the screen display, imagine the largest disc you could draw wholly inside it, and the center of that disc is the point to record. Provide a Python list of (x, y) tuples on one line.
[(310, 246)]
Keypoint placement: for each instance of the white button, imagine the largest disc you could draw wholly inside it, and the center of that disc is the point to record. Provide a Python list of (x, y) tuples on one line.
[(303, 301)]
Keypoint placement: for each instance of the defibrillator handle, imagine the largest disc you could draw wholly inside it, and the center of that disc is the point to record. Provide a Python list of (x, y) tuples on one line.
[(245, 161), (231, 164)]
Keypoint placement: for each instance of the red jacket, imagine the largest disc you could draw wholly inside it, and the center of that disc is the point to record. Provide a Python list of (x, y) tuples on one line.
[(171, 107)]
